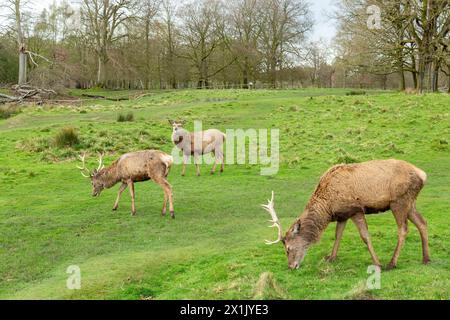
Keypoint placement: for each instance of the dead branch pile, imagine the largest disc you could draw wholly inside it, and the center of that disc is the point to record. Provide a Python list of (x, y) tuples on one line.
[(28, 93)]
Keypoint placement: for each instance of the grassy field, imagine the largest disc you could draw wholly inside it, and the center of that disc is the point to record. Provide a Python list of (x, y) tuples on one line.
[(215, 248)]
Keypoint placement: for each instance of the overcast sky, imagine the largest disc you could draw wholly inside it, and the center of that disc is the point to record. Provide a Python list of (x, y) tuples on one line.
[(323, 27)]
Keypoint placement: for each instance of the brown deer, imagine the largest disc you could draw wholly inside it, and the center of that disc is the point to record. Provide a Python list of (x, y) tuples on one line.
[(350, 191), (130, 168), (198, 143)]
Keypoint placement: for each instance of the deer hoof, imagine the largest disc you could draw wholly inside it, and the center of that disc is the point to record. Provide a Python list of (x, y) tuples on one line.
[(426, 260), (212, 172), (172, 214), (114, 209), (391, 266), (330, 258)]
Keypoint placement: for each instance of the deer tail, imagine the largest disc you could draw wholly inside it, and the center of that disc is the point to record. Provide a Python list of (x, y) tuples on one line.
[(168, 161)]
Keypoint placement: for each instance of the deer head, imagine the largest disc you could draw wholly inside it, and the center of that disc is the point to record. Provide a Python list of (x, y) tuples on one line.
[(178, 132), (97, 183), (294, 245)]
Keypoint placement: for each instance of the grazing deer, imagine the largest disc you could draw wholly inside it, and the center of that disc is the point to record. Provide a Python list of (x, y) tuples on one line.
[(350, 191), (130, 168), (198, 143)]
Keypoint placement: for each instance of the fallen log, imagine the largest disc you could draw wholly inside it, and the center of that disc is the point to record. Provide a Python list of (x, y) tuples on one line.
[(12, 98), (104, 98)]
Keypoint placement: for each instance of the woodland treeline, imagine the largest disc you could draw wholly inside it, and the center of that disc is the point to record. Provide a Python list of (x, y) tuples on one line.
[(168, 44)]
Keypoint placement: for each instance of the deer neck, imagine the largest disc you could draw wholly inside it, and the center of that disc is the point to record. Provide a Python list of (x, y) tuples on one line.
[(110, 176), (313, 223), (182, 137)]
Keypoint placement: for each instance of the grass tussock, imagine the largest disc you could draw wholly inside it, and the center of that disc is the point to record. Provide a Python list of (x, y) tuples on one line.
[(342, 156), (356, 93), (360, 292), (129, 117), (66, 137), (8, 111), (267, 288)]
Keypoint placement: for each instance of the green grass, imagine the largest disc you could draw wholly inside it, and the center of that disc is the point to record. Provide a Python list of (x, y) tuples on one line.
[(215, 248)]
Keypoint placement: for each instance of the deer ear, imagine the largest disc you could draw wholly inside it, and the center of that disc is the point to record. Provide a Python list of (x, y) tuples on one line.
[(170, 121)]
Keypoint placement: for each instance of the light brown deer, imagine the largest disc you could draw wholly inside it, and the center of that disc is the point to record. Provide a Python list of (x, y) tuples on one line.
[(130, 168), (198, 143), (350, 191)]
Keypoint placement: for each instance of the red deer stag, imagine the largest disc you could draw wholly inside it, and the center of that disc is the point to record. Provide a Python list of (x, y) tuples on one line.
[(198, 143), (350, 191), (128, 169)]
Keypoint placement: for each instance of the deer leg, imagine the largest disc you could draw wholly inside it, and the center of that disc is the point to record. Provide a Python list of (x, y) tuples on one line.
[(213, 170), (401, 212), (167, 188), (415, 217), (133, 205), (121, 189), (361, 224), (222, 161), (185, 160), (170, 195), (164, 209), (197, 166), (340, 226), (219, 158)]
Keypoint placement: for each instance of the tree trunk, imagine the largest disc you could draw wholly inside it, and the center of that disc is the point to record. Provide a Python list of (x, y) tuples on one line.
[(22, 66), (421, 78), (21, 42), (147, 54), (435, 78), (245, 78), (448, 81), (402, 81), (101, 73), (273, 70), (414, 76)]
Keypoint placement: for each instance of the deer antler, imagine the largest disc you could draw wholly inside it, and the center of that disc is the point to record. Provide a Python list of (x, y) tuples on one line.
[(83, 168), (269, 207), (100, 162)]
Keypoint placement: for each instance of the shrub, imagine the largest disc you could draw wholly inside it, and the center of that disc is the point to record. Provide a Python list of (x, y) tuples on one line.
[(129, 117), (66, 137), (343, 156)]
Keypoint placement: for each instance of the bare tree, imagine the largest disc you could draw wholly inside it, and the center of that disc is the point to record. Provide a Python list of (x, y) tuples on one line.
[(103, 20), (409, 37), (201, 36), (169, 34), (243, 35), (15, 8), (284, 26), (146, 14)]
